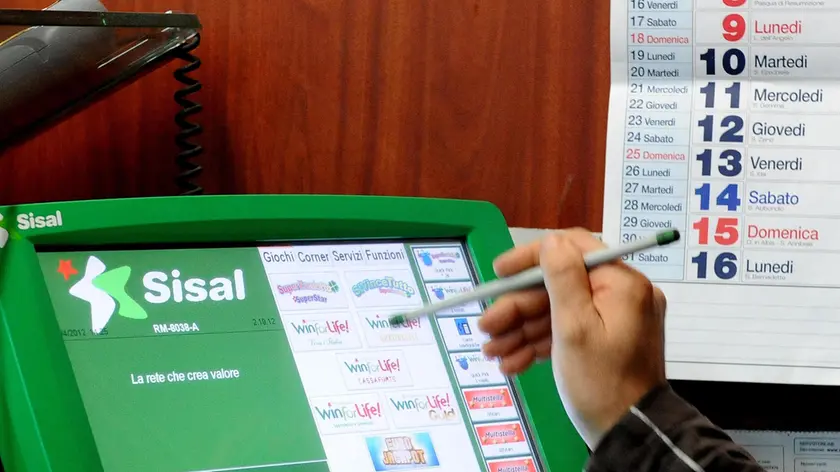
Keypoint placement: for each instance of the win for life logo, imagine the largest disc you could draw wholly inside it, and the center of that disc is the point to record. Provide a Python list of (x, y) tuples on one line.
[(373, 371), (327, 332), (419, 410), (336, 327), (366, 366), (314, 332), (104, 290), (442, 292), (351, 415), (380, 333), (379, 323)]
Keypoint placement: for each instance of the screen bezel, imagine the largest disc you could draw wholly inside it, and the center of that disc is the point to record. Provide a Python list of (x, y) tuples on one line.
[(426, 242), (37, 421)]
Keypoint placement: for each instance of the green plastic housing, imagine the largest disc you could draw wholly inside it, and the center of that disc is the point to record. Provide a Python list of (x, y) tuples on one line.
[(43, 425)]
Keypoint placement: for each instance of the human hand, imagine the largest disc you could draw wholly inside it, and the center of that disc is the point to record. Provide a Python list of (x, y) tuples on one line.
[(604, 330)]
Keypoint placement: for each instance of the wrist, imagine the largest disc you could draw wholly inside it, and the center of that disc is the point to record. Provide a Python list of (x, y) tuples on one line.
[(632, 395), (642, 437), (593, 425)]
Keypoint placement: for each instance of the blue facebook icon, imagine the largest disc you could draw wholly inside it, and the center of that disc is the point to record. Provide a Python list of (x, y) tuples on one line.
[(463, 326)]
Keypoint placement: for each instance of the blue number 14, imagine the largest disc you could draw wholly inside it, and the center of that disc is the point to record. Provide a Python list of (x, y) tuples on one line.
[(727, 198)]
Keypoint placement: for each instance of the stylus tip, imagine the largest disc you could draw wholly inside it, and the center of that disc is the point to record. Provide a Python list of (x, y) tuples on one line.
[(668, 237)]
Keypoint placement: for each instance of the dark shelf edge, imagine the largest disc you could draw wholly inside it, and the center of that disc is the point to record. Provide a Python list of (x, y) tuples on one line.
[(98, 19)]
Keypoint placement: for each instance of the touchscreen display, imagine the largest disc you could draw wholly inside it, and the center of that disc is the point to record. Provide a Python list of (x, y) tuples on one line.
[(281, 358)]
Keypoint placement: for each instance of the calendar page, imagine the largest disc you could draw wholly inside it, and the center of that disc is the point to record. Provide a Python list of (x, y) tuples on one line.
[(725, 124)]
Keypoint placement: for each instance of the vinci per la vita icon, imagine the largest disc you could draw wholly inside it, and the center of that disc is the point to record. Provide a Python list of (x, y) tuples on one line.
[(103, 289), (428, 258)]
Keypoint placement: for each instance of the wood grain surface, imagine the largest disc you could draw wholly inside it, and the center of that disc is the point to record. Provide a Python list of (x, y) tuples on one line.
[(499, 100)]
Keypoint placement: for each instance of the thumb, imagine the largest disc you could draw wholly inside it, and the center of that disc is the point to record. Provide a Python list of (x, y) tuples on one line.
[(567, 282), (660, 303)]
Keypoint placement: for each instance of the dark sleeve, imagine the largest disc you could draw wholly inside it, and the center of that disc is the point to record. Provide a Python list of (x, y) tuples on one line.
[(665, 433)]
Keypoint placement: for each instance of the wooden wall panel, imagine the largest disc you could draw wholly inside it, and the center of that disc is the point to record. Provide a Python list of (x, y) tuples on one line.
[(501, 100)]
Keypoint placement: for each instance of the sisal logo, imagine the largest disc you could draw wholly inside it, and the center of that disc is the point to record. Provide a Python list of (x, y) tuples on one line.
[(161, 288), (105, 291), (27, 221), (419, 409), (363, 413)]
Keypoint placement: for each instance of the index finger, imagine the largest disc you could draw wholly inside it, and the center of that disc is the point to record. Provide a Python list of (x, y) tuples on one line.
[(517, 259)]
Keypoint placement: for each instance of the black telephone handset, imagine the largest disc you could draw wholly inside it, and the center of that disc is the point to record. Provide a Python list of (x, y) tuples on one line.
[(49, 72), (41, 67)]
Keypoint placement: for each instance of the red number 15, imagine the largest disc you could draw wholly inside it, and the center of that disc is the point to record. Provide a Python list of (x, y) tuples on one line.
[(726, 231)]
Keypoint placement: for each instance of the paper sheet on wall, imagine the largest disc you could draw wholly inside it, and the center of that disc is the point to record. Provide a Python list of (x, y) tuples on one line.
[(725, 124), (792, 451)]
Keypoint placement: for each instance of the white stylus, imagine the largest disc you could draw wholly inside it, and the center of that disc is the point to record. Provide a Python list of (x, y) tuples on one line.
[(534, 277)]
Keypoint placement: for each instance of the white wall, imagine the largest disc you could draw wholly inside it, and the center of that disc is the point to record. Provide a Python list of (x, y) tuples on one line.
[(526, 235)]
